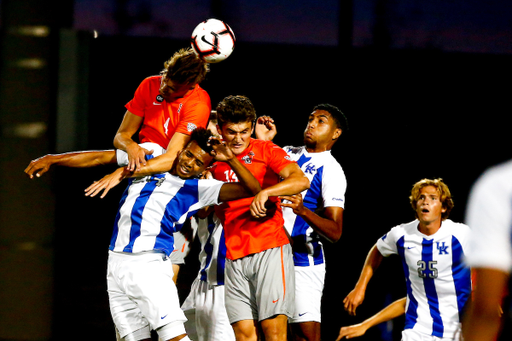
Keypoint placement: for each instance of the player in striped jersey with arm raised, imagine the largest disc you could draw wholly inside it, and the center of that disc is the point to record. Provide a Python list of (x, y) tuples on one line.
[(432, 249), (317, 211), (142, 294)]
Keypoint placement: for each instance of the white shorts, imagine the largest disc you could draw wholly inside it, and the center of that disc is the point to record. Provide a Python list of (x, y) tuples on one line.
[(412, 335), (206, 313), (309, 286), (142, 293)]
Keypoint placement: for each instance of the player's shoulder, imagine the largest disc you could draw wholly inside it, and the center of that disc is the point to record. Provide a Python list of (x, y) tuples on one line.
[(264, 145), (292, 150), (456, 228), (406, 228)]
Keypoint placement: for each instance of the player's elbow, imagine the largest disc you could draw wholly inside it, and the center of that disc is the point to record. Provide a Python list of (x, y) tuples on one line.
[(303, 183)]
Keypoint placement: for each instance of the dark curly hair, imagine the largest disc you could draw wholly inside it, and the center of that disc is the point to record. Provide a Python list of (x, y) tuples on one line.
[(201, 135), (235, 109), (338, 116)]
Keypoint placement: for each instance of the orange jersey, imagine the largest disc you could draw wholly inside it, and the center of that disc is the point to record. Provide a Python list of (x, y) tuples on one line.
[(244, 234), (163, 119)]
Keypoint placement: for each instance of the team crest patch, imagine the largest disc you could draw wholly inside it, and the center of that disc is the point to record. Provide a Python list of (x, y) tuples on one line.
[(191, 127), (159, 99), (248, 158)]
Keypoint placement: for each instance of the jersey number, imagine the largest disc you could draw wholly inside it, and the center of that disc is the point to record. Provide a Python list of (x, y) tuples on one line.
[(422, 269), (231, 176)]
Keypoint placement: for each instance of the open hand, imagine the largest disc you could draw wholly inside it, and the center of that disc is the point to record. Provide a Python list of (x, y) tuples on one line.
[(108, 182)]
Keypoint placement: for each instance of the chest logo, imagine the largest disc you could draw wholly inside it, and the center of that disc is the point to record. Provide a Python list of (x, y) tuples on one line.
[(443, 249), (159, 98), (248, 158), (310, 168)]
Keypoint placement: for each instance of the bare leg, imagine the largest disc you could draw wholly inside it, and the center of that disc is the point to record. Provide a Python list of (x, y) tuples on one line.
[(275, 328), (306, 331), (246, 330)]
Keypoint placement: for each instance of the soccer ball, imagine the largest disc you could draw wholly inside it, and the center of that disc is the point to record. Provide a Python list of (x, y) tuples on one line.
[(213, 40)]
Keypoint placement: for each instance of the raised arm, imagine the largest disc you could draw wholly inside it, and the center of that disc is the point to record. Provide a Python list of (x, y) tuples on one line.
[(124, 141), (356, 296), (265, 128), (393, 310), (82, 159), (330, 226), (294, 182)]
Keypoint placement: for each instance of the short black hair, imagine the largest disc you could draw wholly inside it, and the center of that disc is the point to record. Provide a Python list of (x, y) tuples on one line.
[(235, 109), (201, 136), (338, 116)]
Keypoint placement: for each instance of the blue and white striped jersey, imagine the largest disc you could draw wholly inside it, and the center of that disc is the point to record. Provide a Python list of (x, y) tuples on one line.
[(212, 257), (438, 282), (152, 208), (327, 189)]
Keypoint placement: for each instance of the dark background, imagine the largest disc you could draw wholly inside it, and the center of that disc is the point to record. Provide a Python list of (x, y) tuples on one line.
[(414, 112)]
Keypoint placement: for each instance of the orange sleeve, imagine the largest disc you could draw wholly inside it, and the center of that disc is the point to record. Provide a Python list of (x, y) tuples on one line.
[(195, 113)]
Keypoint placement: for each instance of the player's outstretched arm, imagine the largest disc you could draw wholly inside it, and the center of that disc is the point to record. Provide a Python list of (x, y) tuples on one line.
[(330, 226), (163, 163), (82, 159), (356, 296), (294, 182), (265, 128), (123, 140), (393, 310)]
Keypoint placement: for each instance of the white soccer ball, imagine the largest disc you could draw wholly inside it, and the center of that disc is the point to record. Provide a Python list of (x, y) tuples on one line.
[(213, 40)]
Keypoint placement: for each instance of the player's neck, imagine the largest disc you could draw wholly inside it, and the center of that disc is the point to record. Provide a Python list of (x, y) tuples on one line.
[(429, 228), (318, 148)]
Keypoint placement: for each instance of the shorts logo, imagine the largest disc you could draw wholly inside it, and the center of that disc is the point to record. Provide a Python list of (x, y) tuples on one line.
[(275, 301), (191, 127), (302, 314), (159, 98)]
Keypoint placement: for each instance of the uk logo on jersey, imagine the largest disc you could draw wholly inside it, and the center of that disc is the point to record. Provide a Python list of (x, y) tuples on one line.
[(443, 249), (310, 168), (159, 98)]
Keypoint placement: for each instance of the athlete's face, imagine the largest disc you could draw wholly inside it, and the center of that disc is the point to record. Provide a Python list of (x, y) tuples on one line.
[(192, 161), (172, 91), (429, 208), (237, 135), (321, 130)]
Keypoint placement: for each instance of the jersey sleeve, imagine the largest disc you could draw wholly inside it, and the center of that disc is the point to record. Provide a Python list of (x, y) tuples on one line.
[(140, 99), (387, 243), (334, 186), (209, 190), (195, 113), (277, 158), (489, 217), (122, 156)]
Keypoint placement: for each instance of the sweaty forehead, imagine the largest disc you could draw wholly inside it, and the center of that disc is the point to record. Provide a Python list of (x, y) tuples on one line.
[(238, 127), (321, 113)]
